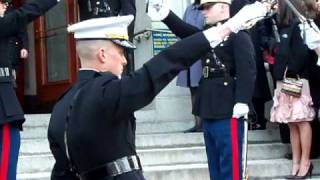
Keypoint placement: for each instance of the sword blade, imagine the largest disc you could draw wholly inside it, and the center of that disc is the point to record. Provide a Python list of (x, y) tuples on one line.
[(245, 174), (295, 11)]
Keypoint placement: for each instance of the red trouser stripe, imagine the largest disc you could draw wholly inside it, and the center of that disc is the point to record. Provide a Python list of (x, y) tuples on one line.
[(5, 152), (234, 149)]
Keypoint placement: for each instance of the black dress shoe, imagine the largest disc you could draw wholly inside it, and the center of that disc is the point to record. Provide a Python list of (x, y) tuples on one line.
[(193, 130), (257, 126)]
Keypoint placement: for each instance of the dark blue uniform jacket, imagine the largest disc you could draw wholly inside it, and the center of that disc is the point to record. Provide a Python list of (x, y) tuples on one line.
[(217, 96)]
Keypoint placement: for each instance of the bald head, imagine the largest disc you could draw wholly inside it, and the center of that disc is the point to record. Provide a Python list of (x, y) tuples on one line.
[(102, 55), (88, 50)]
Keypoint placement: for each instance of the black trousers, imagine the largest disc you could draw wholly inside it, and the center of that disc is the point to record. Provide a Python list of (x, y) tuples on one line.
[(133, 175)]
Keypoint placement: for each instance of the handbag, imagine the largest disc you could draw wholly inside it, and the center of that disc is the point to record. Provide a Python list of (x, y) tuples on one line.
[(291, 86)]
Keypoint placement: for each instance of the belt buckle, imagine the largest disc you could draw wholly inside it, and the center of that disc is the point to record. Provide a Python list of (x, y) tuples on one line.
[(205, 71)]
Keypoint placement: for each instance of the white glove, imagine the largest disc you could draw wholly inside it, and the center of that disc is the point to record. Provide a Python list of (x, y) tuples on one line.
[(213, 35), (158, 10), (317, 50), (311, 34), (240, 110), (248, 16)]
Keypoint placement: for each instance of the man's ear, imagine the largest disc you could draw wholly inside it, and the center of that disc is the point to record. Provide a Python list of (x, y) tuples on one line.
[(224, 7), (101, 55)]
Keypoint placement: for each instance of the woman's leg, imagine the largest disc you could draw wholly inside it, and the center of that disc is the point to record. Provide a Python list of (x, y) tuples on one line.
[(296, 148), (305, 140)]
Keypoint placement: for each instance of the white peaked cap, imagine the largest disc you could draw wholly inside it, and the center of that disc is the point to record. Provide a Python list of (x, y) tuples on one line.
[(109, 28)]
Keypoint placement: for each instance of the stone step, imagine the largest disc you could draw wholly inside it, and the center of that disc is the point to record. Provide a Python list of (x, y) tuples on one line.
[(196, 139), (142, 116), (36, 127), (43, 160), (275, 167), (171, 140), (258, 169), (46, 176), (31, 132), (37, 163), (161, 138), (34, 176), (197, 154)]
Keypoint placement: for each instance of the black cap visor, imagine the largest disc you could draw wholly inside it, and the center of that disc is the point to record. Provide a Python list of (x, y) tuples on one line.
[(124, 43)]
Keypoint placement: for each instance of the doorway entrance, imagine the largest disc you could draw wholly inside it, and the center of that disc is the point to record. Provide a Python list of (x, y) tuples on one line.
[(55, 61)]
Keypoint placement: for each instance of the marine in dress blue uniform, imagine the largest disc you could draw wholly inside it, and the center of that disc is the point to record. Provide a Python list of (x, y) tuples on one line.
[(92, 127), (11, 114), (225, 92)]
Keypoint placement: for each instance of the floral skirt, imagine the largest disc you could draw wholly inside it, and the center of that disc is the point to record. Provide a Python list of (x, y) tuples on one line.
[(287, 109)]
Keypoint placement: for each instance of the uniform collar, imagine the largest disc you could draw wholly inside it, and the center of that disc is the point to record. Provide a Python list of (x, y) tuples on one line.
[(219, 23), (87, 74)]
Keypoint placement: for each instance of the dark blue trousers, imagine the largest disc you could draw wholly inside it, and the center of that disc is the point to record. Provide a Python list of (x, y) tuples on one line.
[(9, 148), (223, 140)]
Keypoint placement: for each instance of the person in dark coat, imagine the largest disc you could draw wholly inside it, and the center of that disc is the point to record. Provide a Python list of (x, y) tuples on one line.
[(11, 114), (21, 41), (262, 92), (92, 127), (225, 90), (107, 8), (190, 78), (19, 45), (315, 94)]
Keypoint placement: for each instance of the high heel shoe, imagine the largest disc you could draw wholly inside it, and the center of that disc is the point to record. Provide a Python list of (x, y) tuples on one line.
[(292, 176), (295, 166), (308, 174)]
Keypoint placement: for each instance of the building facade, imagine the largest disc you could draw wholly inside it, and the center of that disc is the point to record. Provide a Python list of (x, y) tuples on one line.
[(52, 64)]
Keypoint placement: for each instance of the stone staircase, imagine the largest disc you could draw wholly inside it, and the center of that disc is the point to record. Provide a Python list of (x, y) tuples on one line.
[(166, 153)]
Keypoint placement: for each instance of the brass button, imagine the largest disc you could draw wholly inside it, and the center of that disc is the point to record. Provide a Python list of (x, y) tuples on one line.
[(225, 83), (207, 60)]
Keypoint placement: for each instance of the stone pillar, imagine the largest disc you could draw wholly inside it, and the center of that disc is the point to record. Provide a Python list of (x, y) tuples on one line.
[(173, 103)]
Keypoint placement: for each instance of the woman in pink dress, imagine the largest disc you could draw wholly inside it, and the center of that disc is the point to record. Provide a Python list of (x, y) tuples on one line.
[(297, 111)]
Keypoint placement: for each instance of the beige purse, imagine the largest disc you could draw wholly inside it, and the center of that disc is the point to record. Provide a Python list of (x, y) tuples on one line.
[(291, 86)]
